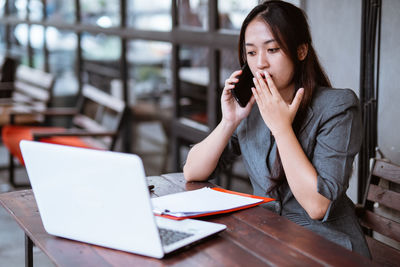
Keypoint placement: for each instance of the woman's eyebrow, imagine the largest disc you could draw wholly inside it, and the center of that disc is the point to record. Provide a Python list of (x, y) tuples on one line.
[(266, 42)]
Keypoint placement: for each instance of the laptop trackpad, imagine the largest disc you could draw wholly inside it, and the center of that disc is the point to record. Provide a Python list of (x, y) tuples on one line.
[(187, 231)]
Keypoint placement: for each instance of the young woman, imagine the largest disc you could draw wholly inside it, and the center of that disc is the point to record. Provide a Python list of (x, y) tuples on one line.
[(297, 136)]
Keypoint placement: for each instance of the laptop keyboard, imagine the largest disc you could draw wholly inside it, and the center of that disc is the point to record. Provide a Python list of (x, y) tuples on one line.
[(171, 236)]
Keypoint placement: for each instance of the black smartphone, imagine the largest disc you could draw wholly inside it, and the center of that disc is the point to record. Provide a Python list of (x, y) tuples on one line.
[(242, 91)]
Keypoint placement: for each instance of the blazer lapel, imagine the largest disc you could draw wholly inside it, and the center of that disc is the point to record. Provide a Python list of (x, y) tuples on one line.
[(307, 119)]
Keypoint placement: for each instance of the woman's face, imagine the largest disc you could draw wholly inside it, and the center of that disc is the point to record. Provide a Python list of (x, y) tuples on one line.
[(263, 53)]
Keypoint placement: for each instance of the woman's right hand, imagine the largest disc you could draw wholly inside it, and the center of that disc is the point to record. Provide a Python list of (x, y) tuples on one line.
[(232, 112), (203, 158)]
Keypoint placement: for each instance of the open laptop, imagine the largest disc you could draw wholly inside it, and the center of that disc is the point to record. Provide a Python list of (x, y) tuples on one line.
[(102, 198)]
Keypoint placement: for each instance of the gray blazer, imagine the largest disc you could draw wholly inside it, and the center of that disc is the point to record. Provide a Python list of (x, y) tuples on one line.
[(331, 135)]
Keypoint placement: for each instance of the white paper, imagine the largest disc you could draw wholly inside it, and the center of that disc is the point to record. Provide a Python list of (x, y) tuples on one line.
[(199, 201)]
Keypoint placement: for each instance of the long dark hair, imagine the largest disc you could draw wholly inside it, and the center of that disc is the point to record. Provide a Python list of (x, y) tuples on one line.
[(289, 26)]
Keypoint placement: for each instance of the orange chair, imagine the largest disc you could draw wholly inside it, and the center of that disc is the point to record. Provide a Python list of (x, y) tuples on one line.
[(96, 124)]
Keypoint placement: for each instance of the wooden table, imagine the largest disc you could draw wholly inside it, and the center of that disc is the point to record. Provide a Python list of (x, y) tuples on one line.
[(254, 237)]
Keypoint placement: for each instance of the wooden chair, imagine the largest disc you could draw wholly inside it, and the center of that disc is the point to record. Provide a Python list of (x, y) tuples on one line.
[(32, 91), (383, 190), (95, 124), (23, 90)]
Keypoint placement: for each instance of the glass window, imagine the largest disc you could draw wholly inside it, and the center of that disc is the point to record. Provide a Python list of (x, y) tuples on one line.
[(2, 39), (149, 95), (233, 12), (100, 12), (193, 13), (37, 41), (2, 7), (18, 8), (149, 15), (101, 47), (19, 42), (149, 72), (62, 47), (194, 80), (101, 55), (35, 10), (61, 10)]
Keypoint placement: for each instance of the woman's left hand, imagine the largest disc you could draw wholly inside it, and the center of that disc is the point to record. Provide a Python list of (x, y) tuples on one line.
[(276, 113)]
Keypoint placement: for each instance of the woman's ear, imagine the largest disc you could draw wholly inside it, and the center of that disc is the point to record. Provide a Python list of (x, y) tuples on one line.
[(302, 51)]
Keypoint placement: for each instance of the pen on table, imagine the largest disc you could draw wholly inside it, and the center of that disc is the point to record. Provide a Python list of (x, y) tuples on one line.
[(160, 212)]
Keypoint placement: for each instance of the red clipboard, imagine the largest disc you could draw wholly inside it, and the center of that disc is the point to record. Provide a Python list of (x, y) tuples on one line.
[(264, 200)]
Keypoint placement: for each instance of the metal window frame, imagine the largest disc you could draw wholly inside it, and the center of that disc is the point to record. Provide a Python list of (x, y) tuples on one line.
[(212, 38), (369, 87)]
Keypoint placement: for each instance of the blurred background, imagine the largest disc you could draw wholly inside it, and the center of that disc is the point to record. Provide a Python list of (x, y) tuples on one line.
[(168, 59)]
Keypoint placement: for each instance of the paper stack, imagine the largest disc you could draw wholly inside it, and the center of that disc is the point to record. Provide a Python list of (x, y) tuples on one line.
[(203, 202)]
